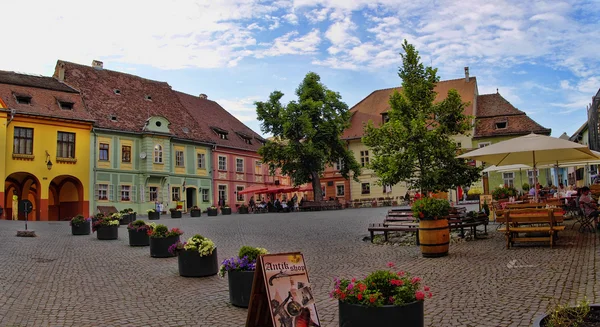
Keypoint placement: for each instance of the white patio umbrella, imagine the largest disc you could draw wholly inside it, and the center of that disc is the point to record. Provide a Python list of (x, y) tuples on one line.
[(532, 149)]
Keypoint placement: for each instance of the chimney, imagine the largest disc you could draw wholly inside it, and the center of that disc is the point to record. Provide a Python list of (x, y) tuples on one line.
[(467, 74), (203, 96), (61, 72), (97, 64)]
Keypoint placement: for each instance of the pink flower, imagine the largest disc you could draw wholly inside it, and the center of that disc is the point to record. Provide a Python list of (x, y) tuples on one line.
[(416, 280), (350, 286), (359, 296), (401, 273), (354, 280), (390, 264), (372, 298), (397, 282), (426, 288), (391, 299), (362, 287), (429, 295), (420, 296)]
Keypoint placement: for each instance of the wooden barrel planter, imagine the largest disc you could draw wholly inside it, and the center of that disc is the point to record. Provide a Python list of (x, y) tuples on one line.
[(191, 264), (138, 238), (108, 232), (159, 247), (357, 315), (154, 215), (434, 238), (240, 287), (195, 213), (81, 229)]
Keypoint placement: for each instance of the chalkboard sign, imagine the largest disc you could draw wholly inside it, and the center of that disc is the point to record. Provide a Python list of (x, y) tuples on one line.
[(25, 206)]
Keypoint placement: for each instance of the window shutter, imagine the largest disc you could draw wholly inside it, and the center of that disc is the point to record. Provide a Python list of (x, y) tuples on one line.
[(110, 193), (117, 193), (133, 194), (96, 192)]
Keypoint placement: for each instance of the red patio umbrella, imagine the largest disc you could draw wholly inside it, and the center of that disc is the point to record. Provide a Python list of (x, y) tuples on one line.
[(306, 188), (253, 189)]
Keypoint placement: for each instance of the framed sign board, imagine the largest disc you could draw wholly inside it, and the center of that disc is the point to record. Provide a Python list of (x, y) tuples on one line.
[(281, 293), (485, 198)]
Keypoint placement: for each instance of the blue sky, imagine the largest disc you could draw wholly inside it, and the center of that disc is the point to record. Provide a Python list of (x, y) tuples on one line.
[(542, 56)]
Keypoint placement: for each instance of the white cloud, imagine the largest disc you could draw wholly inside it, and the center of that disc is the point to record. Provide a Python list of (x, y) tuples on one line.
[(317, 15), (242, 108), (292, 44)]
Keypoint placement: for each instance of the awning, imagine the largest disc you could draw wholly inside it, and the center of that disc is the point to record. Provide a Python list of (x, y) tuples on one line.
[(253, 189), (306, 188)]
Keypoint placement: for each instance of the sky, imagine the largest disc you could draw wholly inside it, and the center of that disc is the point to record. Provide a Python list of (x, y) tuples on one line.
[(542, 56)]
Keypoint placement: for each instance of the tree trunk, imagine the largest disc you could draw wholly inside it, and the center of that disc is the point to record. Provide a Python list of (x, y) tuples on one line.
[(316, 184)]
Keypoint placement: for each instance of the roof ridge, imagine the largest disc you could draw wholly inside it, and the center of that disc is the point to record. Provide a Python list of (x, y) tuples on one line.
[(48, 78), (113, 71)]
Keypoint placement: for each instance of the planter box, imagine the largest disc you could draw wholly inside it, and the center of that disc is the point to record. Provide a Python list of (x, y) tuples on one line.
[(176, 214), (159, 247), (356, 315), (240, 287), (108, 232), (541, 320), (138, 238), (212, 212), (434, 238), (153, 215), (243, 210), (81, 229), (191, 264), (125, 219), (226, 211), (195, 213)]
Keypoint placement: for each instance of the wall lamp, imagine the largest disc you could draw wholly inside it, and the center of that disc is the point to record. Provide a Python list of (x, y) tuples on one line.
[(48, 162)]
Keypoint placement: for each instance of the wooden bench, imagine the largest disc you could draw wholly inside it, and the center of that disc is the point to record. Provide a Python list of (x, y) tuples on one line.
[(515, 219), (385, 228), (107, 210)]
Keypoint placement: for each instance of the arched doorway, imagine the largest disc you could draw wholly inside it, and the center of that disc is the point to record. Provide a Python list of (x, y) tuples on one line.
[(27, 187), (65, 198)]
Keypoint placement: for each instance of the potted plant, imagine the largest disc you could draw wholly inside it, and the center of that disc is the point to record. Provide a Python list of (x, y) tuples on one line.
[(383, 299), (225, 210), (504, 192), (242, 209), (197, 257), (195, 212), (80, 225), (240, 271), (107, 228), (132, 214), (153, 214), (175, 213), (125, 217), (97, 217), (486, 208), (434, 234), (567, 316), (138, 233), (212, 211), (161, 238)]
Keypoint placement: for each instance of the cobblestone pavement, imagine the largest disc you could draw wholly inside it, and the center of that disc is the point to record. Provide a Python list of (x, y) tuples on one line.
[(61, 280)]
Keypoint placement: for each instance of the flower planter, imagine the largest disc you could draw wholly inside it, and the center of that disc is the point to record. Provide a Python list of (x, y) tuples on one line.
[(434, 238), (159, 247), (125, 219), (243, 210), (226, 211), (108, 232), (81, 229), (191, 264), (138, 238), (176, 214), (195, 213), (153, 215), (212, 212), (240, 287), (356, 315), (541, 320)]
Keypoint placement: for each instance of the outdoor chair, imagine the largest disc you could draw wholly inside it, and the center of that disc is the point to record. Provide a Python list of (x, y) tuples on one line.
[(585, 221)]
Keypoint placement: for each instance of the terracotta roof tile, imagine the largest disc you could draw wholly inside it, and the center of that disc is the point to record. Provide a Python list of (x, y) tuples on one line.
[(131, 106), (40, 82), (211, 116), (376, 103), (490, 105)]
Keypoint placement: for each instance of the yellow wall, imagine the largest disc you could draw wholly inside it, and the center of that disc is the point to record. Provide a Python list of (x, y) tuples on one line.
[(3, 145), (202, 171), (179, 169), (104, 163)]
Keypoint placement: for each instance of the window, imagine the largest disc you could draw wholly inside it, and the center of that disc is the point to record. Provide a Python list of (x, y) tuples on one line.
[(126, 153), (339, 164), (205, 195), (365, 188), (65, 105), (239, 165), (385, 117), (222, 163), (509, 179), (23, 141), (65, 145), (103, 152), (158, 154), (113, 117), (179, 159), (484, 144), (102, 192), (458, 145), (23, 99), (323, 188), (340, 190), (222, 136), (257, 167), (148, 97), (125, 193), (530, 176), (501, 125), (247, 141), (153, 193), (117, 91), (239, 197), (223, 192), (200, 157), (175, 194), (364, 158)]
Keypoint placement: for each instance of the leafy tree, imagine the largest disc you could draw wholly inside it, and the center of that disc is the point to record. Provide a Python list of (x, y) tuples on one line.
[(306, 133), (415, 145)]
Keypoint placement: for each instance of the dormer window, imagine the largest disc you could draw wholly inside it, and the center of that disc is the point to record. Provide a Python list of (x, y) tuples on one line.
[(261, 141), (65, 105), (247, 139), (221, 133), (117, 91), (113, 117), (148, 97), (501, 125), (23, 99)]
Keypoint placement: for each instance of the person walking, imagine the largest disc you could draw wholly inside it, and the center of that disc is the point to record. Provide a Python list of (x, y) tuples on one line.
[(15, 206)]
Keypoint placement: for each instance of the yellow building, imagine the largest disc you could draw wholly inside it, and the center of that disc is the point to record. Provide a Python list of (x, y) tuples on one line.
[(45, 138)]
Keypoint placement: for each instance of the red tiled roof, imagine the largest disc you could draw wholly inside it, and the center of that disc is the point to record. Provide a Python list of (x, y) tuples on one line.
[(45, 93), (493, 109), (131, 107), (211, 116), (376, 103)]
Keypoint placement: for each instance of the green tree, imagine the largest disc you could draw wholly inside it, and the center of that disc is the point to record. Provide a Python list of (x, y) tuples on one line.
[(415, 145), (306, 133)]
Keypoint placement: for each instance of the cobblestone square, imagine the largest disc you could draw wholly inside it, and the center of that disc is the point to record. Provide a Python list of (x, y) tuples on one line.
[(61, 280)]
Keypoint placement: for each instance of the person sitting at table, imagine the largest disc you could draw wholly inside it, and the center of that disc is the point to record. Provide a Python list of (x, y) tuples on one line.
[(561, 189), (590, 209), (532, 191)]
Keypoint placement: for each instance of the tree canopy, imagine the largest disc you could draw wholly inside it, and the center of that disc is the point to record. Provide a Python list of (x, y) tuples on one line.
[(306, 133), (415, 145)]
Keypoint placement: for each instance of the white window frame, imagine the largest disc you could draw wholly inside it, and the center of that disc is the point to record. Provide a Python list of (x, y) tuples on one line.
[(158, 154), (530, 176), (237, 165), (222, 188), (483, 144), (205, 195), (125, 190), (368, 188), (339, 164), (337, 190), (257, 167), (240, 197), (102, 188), (201, 160), (156, 193), (508, 178), (179, 158), (364, 158), (224, 163), (175, 190)]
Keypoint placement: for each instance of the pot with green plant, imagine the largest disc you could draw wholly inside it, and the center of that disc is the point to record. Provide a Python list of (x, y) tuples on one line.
[(240, 274), (384, 298), (195, 212), (504, 192), (161, 238), (243, 209), (583, 314), (197, 257), (175, 213), (138, 233), (226, 210), (153, 214), (132, 213), (125, 217), (97, 217), (107, 228), (434, 233), (212, 211), (80, 225)]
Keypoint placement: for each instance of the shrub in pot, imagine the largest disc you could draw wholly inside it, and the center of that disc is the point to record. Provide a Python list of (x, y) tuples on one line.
[(138, 233), (153, 214), (161, 238), (212, 211), (197, 257), (434, 233), (240, 272), (125, 217), (97, 217), (195, 212), (80, 225), (107, 228), (175, 213), (583, 314), (383, 298), (243, 209), (226, 210)]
